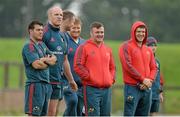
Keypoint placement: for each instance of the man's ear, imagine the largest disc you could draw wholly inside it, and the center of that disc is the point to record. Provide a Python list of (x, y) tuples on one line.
[(91, 33), (30, 31)]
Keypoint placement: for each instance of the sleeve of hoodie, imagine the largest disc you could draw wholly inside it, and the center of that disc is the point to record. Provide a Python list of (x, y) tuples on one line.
[(112, 67), (126, 61), (153, 67), (79, 63)]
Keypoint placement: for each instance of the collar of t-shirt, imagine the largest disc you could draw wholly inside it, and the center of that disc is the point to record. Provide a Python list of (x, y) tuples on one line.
[(76, 41)]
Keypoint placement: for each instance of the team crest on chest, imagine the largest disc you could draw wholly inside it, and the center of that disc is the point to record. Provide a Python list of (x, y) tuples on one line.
[(59, 48), (52, 39)]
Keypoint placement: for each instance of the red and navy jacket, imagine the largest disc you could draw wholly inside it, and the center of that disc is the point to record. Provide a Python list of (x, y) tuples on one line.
[(137, 62), (95, 64)]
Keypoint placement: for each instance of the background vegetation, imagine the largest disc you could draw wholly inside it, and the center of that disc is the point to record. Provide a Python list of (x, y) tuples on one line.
[(161, 16)]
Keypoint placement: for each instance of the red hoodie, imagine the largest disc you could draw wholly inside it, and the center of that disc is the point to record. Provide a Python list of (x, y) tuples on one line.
[(95, 65), (137, 62)]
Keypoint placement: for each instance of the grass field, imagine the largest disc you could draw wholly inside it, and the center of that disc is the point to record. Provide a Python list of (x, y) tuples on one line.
[(169, 55)]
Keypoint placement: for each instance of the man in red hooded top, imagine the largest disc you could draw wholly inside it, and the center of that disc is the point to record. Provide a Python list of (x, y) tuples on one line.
[(139, 70), (94, 63)]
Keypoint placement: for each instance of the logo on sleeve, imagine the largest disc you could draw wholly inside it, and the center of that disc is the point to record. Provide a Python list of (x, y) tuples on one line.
[(70, 50), (148, 53), (107, 54)]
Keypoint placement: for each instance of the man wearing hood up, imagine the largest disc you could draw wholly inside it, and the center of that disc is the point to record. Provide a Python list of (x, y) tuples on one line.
[(139, 70)]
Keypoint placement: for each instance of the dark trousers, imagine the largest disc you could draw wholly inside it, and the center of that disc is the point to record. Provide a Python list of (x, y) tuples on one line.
[(136, 102), (74, 101), (97, 101)]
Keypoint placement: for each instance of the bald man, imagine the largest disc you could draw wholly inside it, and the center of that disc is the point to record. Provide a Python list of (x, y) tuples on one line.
[(55, 42)]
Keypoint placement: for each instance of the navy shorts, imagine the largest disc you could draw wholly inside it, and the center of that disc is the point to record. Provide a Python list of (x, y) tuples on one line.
[(57, 91), (155, 106), (36, 98)]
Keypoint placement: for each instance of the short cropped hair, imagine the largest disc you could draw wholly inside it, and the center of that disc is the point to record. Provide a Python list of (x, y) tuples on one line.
[(49, 11), (33, 23), (68, 15), (96, 25), (77, 21)]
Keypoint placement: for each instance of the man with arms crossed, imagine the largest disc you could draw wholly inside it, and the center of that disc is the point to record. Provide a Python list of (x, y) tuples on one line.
[(37, 59)]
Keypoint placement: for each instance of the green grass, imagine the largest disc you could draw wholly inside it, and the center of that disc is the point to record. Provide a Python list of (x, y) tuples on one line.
[(171, 102), (168, 54), (115, 47), (13, 77), (10, 49)]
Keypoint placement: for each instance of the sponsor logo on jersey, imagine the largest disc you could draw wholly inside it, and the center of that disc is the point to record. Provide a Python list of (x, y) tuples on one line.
[(59, 48)]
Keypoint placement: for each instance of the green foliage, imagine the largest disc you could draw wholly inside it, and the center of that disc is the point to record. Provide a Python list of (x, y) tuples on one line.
[(161, 16)]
